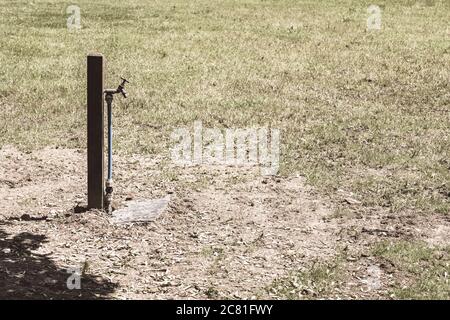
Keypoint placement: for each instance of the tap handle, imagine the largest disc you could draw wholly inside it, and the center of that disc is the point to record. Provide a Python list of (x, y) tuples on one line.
[(121, 87), (124, 81)]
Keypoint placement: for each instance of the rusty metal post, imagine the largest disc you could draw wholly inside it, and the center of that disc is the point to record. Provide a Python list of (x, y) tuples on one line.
[(95, 138)]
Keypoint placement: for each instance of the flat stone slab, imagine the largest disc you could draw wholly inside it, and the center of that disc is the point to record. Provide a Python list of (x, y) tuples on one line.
[(140, 211)]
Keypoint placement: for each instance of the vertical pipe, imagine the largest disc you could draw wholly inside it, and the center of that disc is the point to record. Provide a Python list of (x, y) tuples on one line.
[(110, 140), (95, 114)]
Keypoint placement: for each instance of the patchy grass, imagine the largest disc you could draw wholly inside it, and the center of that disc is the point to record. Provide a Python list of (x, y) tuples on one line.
[(363, 111), (421, 272), (318, 281), (417, 271)]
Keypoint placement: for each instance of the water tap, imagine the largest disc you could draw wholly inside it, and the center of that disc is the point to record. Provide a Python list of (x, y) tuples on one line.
[(120, 88)]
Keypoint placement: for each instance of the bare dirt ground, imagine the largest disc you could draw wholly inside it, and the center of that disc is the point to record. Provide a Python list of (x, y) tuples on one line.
[(228, 232)]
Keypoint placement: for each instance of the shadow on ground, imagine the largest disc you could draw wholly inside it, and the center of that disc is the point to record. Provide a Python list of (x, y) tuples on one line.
[(27, 275)]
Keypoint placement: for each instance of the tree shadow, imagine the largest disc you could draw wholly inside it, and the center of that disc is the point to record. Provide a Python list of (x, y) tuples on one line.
[(27, 275)]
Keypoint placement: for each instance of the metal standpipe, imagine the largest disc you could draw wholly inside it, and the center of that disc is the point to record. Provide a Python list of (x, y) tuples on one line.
[(109, 97)]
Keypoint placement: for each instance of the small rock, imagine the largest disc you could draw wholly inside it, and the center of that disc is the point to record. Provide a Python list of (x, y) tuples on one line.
[(25, 217), (79, 209), (115, 205)]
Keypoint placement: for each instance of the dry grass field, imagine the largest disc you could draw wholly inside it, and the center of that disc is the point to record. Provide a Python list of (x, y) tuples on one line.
[(360, 206)]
